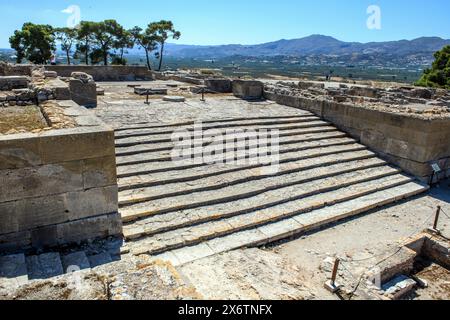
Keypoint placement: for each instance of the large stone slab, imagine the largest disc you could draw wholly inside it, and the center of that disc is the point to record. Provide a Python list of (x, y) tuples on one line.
[(219, 85), (58, 186), (83, 89), (44, 266), (13, 82), (248, 89)]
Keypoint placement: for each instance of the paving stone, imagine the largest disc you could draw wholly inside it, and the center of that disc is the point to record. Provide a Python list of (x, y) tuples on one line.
[(174, 99), (99, 259), (13, 268), (74, 261), (189, 254), (168, 257), (44, 266)]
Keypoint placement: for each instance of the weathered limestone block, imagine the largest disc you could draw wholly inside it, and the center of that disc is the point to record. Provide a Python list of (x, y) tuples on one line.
[(14, 241), (248, 89), (24, 94), (60, 185), (38, 181), (50, 74), (421, 93), (105, 73), (59, 88), (7, 69), (363, 92), (83, 89), (219, 85), (99, 172), (13, 82), (91, 228), (174, 99), (150, 91)]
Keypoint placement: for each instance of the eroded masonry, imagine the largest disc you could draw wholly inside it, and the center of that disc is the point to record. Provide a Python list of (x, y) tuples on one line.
[(82, 159)]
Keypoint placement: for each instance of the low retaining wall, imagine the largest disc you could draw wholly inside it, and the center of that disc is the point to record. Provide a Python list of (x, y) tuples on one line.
[(177, 77), (7, 69), (410, 142), (58, 186), (105, 73)]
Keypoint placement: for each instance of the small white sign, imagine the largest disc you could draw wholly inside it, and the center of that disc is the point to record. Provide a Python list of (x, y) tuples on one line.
[(436, 167)]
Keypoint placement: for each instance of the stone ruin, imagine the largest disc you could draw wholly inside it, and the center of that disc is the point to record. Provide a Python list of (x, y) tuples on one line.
[(61, 177), (57, 161), (408, 126)]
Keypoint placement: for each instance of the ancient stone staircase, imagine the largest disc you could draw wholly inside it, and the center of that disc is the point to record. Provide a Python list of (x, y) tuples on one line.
[(18, 269), (186, 212)]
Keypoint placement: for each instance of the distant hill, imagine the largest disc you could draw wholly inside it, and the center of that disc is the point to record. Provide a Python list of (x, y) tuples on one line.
[(312, 45)]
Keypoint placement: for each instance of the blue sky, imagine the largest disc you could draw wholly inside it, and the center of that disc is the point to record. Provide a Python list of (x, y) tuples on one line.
[(246, 21)]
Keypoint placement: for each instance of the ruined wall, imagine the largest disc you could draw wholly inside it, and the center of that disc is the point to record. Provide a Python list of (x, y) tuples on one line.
[(58, 186), (105, 73), (7, 69), (410, 142)]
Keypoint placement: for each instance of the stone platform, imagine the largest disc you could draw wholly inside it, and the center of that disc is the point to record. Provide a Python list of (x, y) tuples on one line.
[(58, 183)]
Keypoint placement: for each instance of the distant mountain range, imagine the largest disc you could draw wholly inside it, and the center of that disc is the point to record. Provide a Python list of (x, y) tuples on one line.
[(312, 45)]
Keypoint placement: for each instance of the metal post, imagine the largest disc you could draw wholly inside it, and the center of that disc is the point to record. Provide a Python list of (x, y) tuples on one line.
[(332, 285), (335, 271), (203, 94), (146, 101), (436, 219)]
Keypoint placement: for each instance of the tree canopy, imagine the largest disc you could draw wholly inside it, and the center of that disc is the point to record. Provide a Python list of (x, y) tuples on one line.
[(35, 42), (92, 42), (67, 38), (145, 40), (162, 31), (438, 76)]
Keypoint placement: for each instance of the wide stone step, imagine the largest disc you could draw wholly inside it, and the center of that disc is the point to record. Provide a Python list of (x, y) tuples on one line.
[(13, 269), (44, 266), (246, 180), (156, 207), (225, 205), (195, 234), (221, 125), (270, 195), (167, 156), (166, 166), (292, 226), (301, 114), (286, 137), (217, 176), (159, 138)]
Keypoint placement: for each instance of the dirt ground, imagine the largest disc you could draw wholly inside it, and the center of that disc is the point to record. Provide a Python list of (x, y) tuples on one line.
[(21, 119)]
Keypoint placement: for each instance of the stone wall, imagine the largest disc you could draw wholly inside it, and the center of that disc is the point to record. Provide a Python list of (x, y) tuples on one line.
[(105, 73), (7, 69), (248, 89), (58, 186), (410, 142)]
